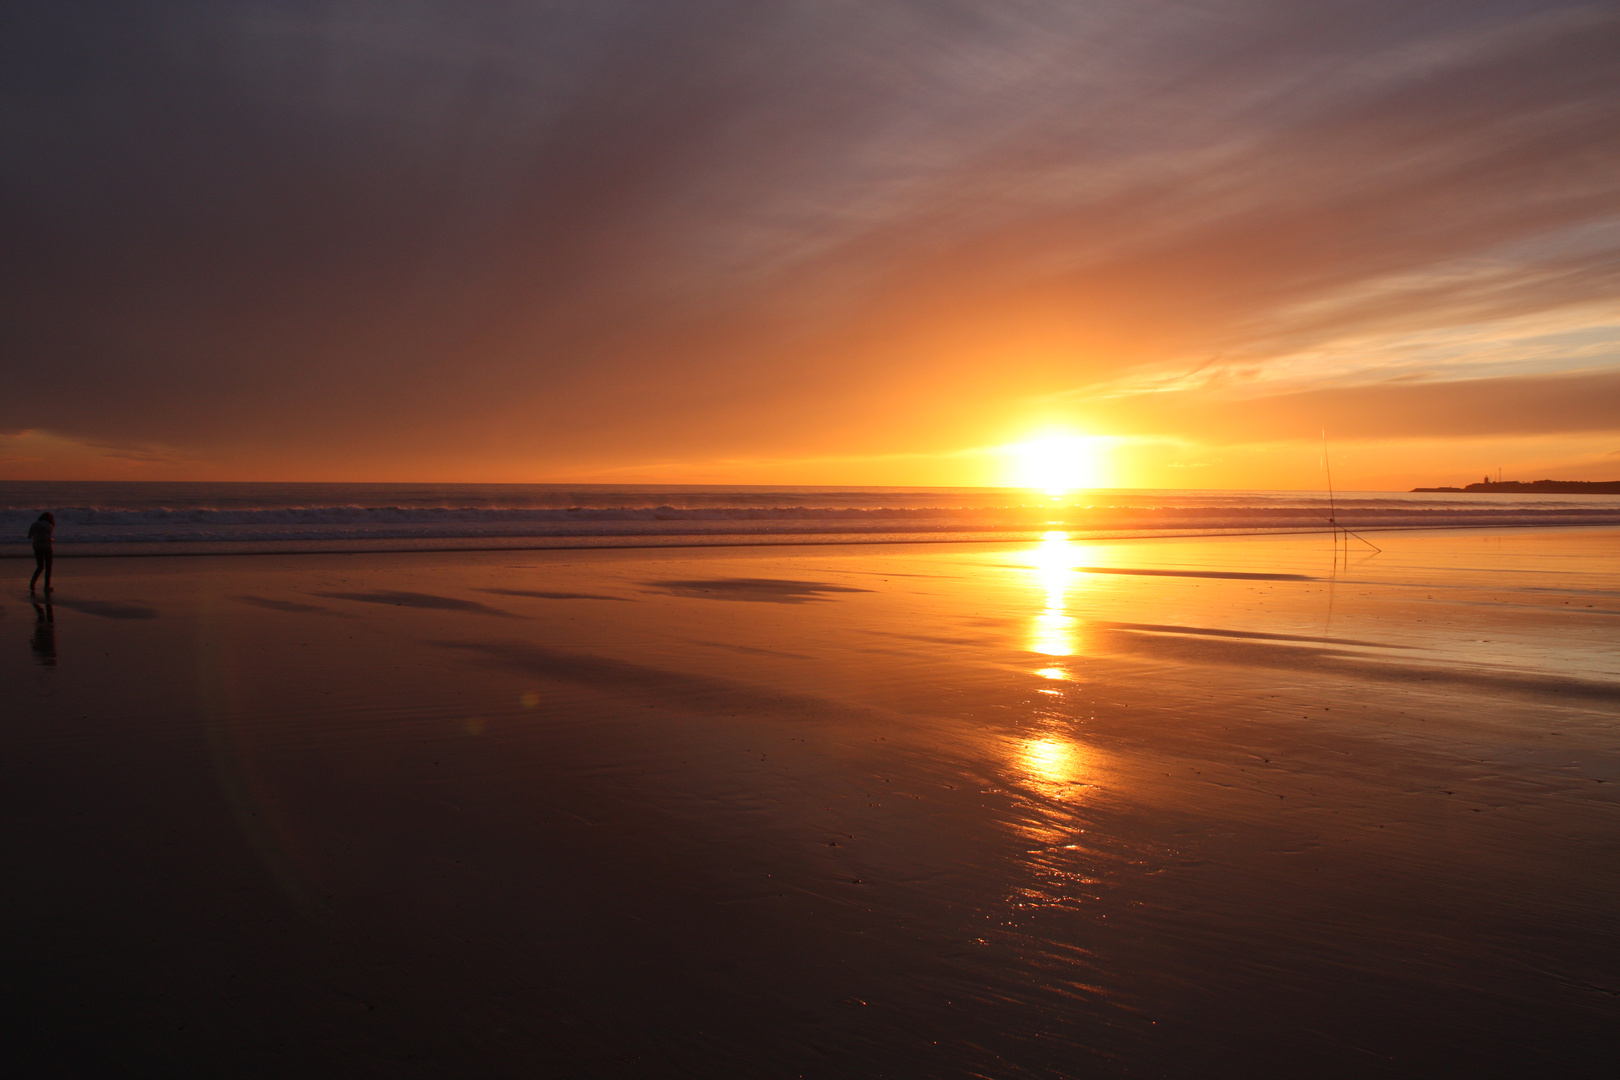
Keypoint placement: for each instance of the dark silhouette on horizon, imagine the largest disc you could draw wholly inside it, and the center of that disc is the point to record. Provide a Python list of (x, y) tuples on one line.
[(1539, 487), (40, 535)]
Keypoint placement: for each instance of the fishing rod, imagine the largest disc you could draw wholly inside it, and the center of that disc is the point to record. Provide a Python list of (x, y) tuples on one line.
[(1333, 510)]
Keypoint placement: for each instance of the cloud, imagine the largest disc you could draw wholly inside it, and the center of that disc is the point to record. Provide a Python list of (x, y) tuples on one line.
[(38, 455), (1511, 406), (360, 237)]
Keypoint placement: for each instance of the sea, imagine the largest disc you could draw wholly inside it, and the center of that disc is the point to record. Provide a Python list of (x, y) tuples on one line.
[(138, 517)]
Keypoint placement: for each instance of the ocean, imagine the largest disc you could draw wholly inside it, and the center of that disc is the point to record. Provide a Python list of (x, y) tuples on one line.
[(132, 517)]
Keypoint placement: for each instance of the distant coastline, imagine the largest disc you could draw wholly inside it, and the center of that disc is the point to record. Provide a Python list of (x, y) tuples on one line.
[(1539, 487)]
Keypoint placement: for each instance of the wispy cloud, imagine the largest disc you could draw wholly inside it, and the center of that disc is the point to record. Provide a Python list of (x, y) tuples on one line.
[(1506, 406)]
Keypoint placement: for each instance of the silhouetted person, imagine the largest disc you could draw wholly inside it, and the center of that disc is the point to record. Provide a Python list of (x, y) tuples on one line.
[(44, 640), (39, 534)]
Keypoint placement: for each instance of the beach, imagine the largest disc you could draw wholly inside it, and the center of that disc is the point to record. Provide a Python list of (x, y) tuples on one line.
[(1212, 806)]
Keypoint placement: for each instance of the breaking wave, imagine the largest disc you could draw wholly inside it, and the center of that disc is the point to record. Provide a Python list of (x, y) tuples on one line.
[(233, 514)]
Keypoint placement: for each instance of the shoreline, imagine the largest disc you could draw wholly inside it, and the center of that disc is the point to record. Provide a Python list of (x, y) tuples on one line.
[(182, 548)]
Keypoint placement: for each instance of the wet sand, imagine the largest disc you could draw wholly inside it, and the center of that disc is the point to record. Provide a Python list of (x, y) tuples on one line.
[(1226, 807)]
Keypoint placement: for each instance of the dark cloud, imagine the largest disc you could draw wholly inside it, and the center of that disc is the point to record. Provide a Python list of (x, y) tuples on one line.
[(344, 234)]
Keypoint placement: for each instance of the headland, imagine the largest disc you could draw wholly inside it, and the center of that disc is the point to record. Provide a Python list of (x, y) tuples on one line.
[(1538, 487)]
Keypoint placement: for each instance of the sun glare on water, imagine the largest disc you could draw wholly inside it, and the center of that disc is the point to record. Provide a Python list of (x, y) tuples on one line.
[(1058, 463)]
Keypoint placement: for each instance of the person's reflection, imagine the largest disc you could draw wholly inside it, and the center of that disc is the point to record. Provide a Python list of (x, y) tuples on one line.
[(44, 640)]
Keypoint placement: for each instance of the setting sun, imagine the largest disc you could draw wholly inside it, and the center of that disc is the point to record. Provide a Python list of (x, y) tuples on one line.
[(1058, 463)]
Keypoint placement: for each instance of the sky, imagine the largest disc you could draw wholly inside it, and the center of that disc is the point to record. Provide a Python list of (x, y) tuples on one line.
[(827, 242)]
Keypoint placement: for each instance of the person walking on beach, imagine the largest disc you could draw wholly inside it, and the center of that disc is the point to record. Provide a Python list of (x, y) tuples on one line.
[(39, 534)]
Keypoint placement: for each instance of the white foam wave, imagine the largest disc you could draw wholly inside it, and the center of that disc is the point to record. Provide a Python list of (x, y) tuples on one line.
[(92, 524)]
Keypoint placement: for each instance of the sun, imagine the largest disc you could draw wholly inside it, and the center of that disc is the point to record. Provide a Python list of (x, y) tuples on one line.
[(1057, 463)]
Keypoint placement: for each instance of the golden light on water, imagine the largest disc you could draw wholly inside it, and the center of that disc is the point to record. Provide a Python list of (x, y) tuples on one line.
[(1050, 759), (1053, 631), (1055, 765), (1053, 635), (1054, 563), (1051, 763)]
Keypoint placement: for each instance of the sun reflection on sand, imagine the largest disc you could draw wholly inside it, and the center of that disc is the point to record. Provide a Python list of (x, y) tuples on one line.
[(1053, 635), (1057, 767), (1054, 567), (1051, 760), (1050, 763), (1054, 632)]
